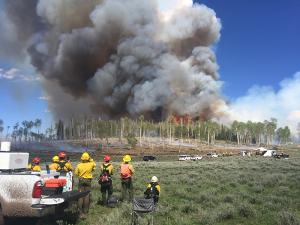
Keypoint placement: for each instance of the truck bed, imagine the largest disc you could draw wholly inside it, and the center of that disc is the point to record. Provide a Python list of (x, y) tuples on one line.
[(16, 188)]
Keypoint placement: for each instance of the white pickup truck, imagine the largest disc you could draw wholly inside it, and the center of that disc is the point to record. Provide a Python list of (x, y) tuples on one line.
[(189, 157), (23, 194)]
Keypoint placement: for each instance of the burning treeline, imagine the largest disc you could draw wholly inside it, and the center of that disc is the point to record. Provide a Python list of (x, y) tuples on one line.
[(118, 58)]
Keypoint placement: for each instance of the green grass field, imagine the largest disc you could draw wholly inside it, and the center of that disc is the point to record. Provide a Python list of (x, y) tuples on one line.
[(229, 191)]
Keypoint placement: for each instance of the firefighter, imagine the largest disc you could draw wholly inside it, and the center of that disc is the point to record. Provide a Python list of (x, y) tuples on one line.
[(105, 179), (84, 171), (34, 166), (127, 172), (64, 165), (65, 169), (55, 163), (153, 190)]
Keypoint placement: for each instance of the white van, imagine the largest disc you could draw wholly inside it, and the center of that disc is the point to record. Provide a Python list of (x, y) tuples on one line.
[(184, 157), (196, 157)]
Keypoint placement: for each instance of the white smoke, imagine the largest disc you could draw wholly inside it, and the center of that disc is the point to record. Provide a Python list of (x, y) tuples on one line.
[(262, 103), (167, 8), (171, 5)]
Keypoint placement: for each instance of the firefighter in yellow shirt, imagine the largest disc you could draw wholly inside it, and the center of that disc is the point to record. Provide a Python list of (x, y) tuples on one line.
[(55, 163), (34, 166), (64, 165), (153, 190), (84, 171), (65, 169)]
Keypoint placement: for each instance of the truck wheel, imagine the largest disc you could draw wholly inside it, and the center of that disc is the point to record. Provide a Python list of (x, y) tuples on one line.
[(2, 222)]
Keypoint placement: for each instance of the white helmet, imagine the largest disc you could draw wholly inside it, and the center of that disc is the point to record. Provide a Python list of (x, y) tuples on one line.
[(154, 179)]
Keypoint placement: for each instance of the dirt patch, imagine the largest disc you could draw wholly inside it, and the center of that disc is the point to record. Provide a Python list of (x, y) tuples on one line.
[(98, 148)]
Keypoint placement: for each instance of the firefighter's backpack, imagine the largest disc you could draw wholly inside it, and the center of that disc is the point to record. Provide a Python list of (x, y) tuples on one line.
[(105, 176)]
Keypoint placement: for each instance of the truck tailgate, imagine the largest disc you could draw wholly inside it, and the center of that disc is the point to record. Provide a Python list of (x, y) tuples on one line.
[(61, 198)]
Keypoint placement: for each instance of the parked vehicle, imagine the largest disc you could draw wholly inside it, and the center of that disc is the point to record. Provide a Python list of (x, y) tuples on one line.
[(212, 154), (245, 153), (281, 156), (270, 153), (196, 157), (184, 157), (260, 151), (24, 193), (149, 158)]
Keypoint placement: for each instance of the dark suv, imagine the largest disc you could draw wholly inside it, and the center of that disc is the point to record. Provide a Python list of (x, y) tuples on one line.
[(149, 158)]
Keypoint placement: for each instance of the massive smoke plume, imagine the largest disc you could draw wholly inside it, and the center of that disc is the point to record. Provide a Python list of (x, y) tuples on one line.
[(113, 58)]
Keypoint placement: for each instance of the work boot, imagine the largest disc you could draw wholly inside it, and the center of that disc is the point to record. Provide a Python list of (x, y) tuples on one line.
[(82, 216)]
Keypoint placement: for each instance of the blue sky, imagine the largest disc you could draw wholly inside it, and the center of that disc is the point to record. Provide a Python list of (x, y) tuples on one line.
[(260, 42), (21, 95), (259, 45), (21, 99)]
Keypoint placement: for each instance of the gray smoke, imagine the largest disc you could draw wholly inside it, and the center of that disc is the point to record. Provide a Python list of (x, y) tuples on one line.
[(121, 57), (18, 23)]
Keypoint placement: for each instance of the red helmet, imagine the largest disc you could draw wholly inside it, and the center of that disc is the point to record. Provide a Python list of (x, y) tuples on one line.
[(36, 160), (106, 158), (62, 155)]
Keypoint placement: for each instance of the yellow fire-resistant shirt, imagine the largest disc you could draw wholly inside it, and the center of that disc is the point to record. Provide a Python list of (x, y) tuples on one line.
[(67, 167), (108, 167), (156, 186), (54, 166), (34, 168), (85, 169)]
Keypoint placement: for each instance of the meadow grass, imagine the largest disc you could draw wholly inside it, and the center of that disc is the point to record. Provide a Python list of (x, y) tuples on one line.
[(227, 191)]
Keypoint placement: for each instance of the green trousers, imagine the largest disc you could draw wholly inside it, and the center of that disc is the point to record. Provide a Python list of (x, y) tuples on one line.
[(84, 203), (127, 186), (106, 190)]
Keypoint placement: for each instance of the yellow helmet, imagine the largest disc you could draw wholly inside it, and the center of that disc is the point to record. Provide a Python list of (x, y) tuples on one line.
[(85, 156), (55, 159), (127, 158)]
